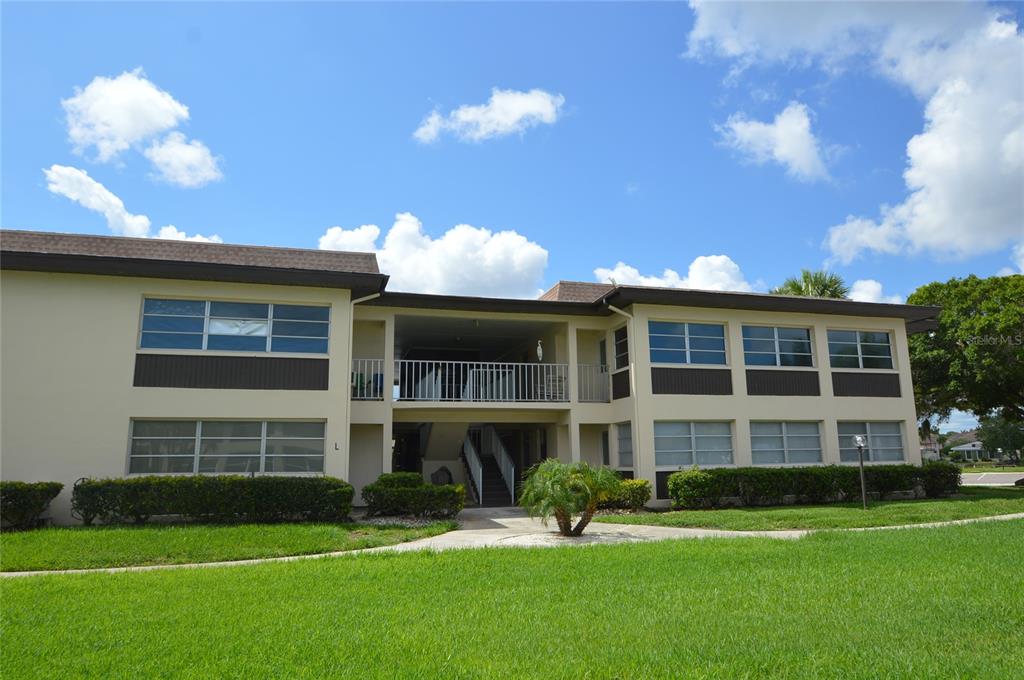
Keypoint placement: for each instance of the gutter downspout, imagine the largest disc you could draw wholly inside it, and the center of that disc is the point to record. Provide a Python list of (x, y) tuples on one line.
[(631, 325)]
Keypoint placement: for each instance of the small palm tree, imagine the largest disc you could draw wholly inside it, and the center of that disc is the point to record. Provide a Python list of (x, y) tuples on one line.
[(814, 284), (561, 490)]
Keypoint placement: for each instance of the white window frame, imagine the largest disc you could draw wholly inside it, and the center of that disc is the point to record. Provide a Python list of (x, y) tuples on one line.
[(615, 349), (686, 339), (868, 449), (785, 443), (197, 439), (778, 353), (860, 351), (206, 327), (693, 446)]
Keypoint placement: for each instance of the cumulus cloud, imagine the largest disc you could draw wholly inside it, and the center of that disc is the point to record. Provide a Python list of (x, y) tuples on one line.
[(178, 161), (78, 186), (965, 168), (869, 290), (506, 112), (465, 260), (707, 272), (787, 141)]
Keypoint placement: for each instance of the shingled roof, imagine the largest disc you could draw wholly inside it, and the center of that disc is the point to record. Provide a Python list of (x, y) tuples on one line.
[(162, 258), (577, 291)]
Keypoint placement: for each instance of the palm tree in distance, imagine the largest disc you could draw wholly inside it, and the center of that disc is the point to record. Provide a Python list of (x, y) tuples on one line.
[(814, 284)]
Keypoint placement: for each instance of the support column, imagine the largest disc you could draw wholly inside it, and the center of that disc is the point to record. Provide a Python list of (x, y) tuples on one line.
[(574, 439), (389, 381), (573, 363)]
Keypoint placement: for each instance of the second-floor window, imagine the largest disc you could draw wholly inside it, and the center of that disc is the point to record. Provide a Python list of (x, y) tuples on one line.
[(234, 326), (686, 343), (859, 349), (776, 346), (621, 348)]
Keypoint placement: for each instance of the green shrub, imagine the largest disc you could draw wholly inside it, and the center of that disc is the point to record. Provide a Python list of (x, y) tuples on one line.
[(223, 498), (21, 503), (632, 494), (406, 493), (940, 478), (812, 484)]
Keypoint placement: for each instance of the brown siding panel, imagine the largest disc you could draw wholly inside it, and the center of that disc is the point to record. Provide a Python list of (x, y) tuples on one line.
[(230, 373), (691, 380), (783, 383), (866, 385), (620, 384)]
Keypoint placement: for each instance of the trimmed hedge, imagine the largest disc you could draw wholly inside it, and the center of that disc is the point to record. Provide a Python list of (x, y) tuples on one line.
[(21, 503), (632, 494), (213, 498), (406, 493), (813, 484)]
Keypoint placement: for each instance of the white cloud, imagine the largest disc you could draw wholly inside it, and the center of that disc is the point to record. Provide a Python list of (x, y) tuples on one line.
[(78, 186), (966, 60), (787, 140), (113, 114), (869, 290), (506, 112), (187, 164), (465, 260), (707, 272), (1017, 255)]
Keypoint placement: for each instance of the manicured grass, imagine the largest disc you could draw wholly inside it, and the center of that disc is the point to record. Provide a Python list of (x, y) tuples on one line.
[(834, 605), (973, 502), (121, 546), (978, 469)]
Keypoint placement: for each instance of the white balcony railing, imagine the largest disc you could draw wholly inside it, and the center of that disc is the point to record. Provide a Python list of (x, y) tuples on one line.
[(368, 379), (481, 381), (594, 383)]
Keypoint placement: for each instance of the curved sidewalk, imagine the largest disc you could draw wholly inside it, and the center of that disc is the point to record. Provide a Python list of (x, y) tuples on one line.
[(510, 528)]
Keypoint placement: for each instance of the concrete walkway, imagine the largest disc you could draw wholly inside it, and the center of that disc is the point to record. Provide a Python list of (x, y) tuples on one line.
[(511, 528)]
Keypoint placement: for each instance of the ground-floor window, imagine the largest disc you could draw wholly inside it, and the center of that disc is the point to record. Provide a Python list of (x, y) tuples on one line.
[(683, 443), (883, 441), (785, 442), (625, 441), (226, 446)]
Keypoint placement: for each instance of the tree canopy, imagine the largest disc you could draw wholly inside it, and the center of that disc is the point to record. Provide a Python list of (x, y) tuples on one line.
[(974, 360), (814, 284), (997, 433)]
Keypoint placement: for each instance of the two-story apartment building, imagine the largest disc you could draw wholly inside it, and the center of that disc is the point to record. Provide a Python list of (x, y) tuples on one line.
[(127, 356)]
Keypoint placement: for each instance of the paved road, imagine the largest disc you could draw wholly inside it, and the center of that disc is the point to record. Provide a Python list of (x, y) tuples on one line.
[(992, 478)]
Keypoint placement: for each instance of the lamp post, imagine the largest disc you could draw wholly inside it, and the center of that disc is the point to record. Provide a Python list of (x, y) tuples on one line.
[(860, 441)]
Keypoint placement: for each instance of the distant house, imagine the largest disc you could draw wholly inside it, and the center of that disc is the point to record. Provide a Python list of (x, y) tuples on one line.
[(930, 448), (974, 451)]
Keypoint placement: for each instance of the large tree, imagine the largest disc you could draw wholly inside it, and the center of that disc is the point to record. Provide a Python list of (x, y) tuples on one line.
[(814, 284), (974, 360), (997, 433)]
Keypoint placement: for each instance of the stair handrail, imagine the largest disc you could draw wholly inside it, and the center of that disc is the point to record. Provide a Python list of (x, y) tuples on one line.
[(476, 468), (505, 464)]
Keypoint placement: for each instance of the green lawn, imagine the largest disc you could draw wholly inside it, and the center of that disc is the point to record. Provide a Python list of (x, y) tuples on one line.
[(833, 605), (120, 546), (974, 502), (977, 469)]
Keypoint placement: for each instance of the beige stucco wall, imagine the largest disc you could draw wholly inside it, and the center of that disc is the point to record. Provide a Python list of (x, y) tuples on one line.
[(366, 463), (67, 353)]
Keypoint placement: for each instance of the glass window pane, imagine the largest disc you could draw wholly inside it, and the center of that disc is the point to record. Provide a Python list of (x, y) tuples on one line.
[(229, 464), (164, 447), (309, 447), (707, 330), (717, 358), (875, 350), (175, 307), (882, 441), (759, 332), (302, 312), (668, 342), (842, 336), (885, 428), (802, 428), (766, 428), (164, 428), (795, 334), (295, 464), (171, 341), (849, 455), (181, 324), (671, 429), (672, 444), (714, 457), (877, 362), (238, 327), (715, 344), (874, 337), (232, 428), (302, 328), (842, 349), (304, 345), (886, 454), (794, 347), (237, 343), (852, 428), (712, 428), (810, 456), (625, 459), (768, 457), (759, 359), (286, 428), (766, 443), (226, 447), (665, 328), (803, 441), (759, 346), (795, 360), (160, 464), (844, 362), (239, 310), (713, 443), (678, 458)]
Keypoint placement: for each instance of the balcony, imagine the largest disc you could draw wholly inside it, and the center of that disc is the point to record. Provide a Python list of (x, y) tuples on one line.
[(481, 381)]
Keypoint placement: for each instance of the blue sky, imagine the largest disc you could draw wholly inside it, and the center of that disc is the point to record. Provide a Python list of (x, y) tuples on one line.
[(731, 144)]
